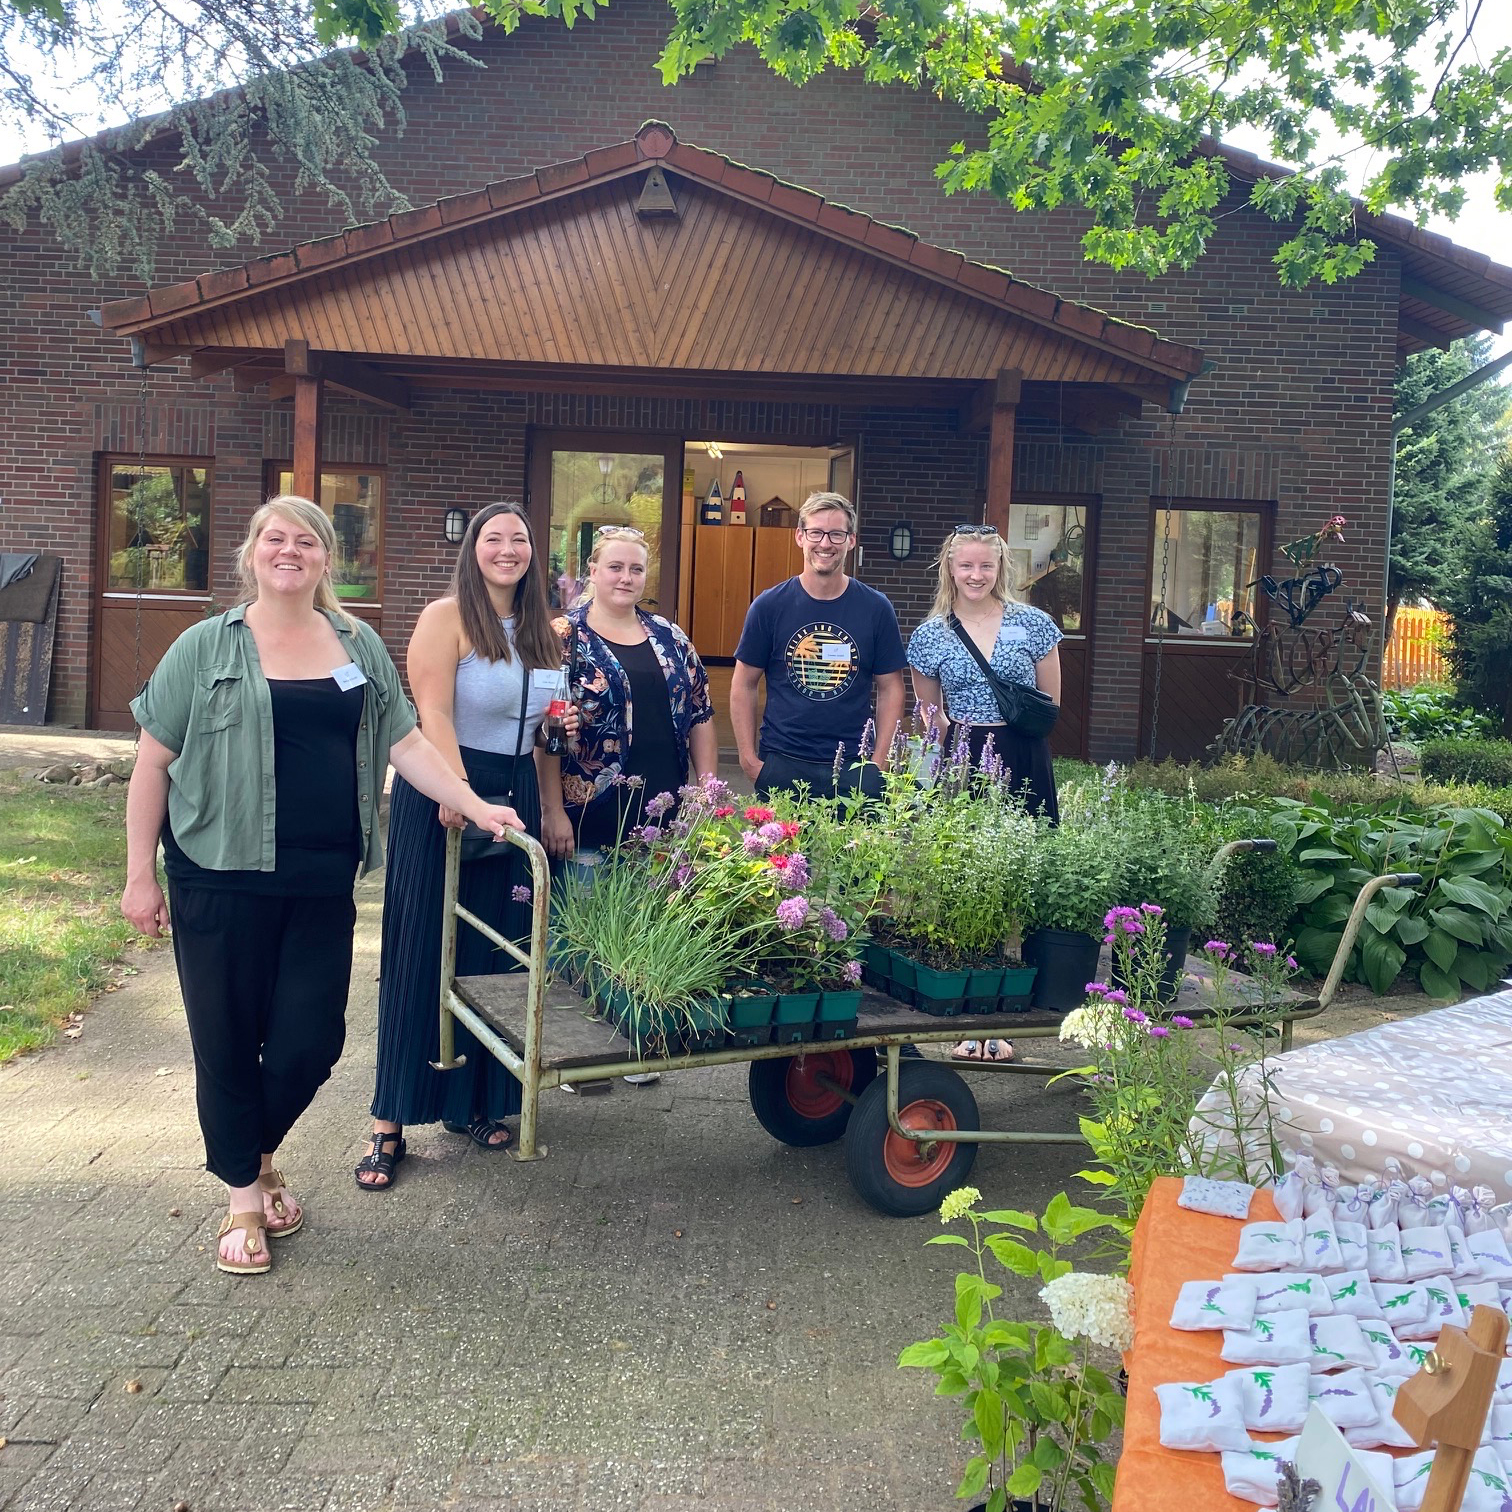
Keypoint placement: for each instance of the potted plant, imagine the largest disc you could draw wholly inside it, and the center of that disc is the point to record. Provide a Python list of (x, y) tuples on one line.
[(1076, 884), (1035, 1406), (350, 579)]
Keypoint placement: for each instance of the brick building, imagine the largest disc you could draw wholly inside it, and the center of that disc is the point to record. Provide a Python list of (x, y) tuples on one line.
[(598, 316)]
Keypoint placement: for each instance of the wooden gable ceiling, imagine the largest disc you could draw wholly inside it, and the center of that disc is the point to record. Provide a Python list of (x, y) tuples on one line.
[(563, 273)]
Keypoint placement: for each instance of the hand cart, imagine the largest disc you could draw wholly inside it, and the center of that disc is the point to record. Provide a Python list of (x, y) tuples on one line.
[(911, 1134)]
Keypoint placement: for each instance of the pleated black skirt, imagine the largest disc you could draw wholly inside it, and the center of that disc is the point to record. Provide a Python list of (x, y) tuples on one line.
[(1026, 763), (407, 1090)]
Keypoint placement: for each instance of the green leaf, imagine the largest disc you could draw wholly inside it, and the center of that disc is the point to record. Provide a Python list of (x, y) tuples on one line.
[(1025, 1481), (1411, 929), (1382, 958), (1048, 1402), (988, 1416), (1014, 1219), (1473, 893), (1441, 949), (1476, 967), (1098, 1178), (928, 1353), (974, 1481), (1444, 985), (1048, 1455), (1455, 921), (1315, 853), (1017, 1257), (949, 1239)]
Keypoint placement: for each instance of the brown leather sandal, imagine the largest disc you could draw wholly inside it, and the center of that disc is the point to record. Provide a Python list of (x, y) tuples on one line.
[(272, 1183), (258, 1260)]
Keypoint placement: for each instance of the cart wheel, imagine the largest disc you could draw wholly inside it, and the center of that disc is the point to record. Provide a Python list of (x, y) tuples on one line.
[(894, 1175), (791, 1105)]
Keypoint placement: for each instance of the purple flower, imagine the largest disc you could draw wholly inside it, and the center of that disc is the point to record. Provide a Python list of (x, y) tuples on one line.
[(1096, 989), (1236, 1047), (1217, 947), (649, 833), (659, 805), (1158, 1031), (635, 784), (1153, 909), (1263, 948), (1292, 962), (796, 874), (681, 875), (1117, 996), (520, 894), (1134, 1016), (753, 844), (834, 926), (771, 832), (1180, 1021), (792, 913), (851, 971)]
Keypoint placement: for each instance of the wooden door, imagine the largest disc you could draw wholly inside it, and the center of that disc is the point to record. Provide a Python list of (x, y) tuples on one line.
[(722, 562), (778, 557)]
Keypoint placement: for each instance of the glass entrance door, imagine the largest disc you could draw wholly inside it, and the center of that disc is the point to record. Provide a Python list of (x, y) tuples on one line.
[(580, 483)]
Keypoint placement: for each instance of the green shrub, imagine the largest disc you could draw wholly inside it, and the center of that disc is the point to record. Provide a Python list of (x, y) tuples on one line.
[(1431, 711), (1257, 894), (1487, 761)]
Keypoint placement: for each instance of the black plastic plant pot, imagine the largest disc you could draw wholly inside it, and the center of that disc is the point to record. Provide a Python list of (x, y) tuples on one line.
[(794, 1033), (902, 973), (1017, 995), (1178, 942), (1066, 960), (835, 1029), (741, 1039)]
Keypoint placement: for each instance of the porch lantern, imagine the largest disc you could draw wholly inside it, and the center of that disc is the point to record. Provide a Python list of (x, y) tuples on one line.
[(454, 525), (900, 543)]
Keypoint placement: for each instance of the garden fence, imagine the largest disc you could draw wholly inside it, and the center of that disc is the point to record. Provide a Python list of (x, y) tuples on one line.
[(1416, 652)]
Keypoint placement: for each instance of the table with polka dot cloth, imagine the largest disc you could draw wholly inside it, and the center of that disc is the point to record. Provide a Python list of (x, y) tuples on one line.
[(1435, 1091)]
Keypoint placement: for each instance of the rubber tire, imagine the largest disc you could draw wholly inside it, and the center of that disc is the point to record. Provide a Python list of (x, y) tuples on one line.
[(776, 1114), (868, 1132)]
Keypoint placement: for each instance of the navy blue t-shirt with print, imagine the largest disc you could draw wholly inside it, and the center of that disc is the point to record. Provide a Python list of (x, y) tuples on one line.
[(819, 656)]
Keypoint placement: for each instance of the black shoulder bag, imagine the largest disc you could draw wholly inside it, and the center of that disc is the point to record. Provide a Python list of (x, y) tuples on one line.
[(478, 844), (1023, 709)]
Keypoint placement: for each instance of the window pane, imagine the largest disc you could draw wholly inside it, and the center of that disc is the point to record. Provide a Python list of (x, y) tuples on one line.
[(1203, 578), (354, 503), (159, 529), (1047, 546), (589, 489)]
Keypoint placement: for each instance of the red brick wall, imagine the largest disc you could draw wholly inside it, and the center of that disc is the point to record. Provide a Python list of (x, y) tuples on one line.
[(1296, 411)]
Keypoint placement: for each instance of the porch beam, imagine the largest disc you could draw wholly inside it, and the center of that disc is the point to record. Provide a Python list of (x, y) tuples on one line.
[(207, 364), (1450, 304), (250, 376), (1420, 330), (309, 399), (347, 374), (1006, 388), (1005, 395)]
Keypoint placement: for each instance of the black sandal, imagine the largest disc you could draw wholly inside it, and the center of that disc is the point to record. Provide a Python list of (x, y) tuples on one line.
[(381, 1162), (481, 1131)]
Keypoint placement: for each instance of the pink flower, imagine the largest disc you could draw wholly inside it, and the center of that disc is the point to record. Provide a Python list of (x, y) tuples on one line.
[(756, 815), (1158, 1031), (1263, 948), (1292, 962), (1180, 1021), (1217, 948), (1117, 996), (659, 805), (834, 926), (1153, 909), (520, 894), (1134, 1016), (1096, 989), (792, 913), (753, 844), (851, 971), (797, 873), (725, 811)]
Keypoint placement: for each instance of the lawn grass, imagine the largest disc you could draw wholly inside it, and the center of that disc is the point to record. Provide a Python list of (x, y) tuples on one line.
[(62, 867)]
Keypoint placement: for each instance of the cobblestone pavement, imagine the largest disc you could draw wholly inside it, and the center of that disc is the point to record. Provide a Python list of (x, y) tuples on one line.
[(671, 1311)]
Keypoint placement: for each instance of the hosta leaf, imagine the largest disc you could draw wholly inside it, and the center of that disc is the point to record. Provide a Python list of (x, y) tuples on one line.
[(1438, 984), (1473, 893), (1382, 959), (1411, 930), (1461, 924), (1441, 949)]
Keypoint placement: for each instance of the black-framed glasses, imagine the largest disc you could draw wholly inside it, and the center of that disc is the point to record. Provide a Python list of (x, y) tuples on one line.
[(621, 530), (834, 537), (975, 530)]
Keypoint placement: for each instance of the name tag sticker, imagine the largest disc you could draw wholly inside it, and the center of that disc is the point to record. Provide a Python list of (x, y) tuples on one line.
[(547, 680), (1015, 635), (349, 677), (835, 651)]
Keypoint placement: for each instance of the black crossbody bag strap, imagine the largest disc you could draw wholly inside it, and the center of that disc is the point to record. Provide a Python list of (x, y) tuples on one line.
[(993, 680)]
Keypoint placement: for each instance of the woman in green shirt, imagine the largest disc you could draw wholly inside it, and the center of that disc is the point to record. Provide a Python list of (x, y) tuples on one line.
[(266, 735)]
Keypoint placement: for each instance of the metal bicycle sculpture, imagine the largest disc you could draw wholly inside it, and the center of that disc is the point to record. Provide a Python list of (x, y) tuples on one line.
[(1348, 725)]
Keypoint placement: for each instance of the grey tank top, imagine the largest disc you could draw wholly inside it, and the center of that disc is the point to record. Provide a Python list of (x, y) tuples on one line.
[(486, 703)]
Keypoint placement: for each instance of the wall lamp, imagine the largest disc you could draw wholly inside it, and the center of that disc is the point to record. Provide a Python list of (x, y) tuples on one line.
[(454, 525), (900, 543)]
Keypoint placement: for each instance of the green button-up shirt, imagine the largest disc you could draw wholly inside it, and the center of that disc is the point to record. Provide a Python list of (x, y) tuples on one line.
[(208, 701)]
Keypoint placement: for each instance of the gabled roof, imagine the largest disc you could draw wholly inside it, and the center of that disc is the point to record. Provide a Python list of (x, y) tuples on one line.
[(556, 268)]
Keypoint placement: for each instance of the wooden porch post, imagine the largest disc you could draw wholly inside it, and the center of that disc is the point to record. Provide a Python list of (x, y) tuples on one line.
[(1005, 400), (309, 398)]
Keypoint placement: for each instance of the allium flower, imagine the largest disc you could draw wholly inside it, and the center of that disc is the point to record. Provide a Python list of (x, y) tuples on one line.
[(771, 832), (758, 815), (753, 844), (1263, 948), (715, 789), (1135, 1016), (520, 894), (958, 1203), (1180, 1021), (1091, 1307), (681, 875), (797, 874), (659, 805), (650, 833), (1158, 1031), (834, 926), (792, 913), (851, 971), (635, 784), (1218, 948)]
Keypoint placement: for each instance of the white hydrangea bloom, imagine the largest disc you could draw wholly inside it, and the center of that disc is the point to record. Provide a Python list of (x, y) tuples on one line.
[(1090, 1027), (1097, 1308)]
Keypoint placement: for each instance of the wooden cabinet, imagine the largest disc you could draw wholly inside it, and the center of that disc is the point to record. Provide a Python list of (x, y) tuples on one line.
[(777, 557), (722, 563)]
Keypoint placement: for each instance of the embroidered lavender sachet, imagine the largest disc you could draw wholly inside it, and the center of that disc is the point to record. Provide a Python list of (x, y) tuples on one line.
[(1489, 1248), (1251, 1474), (1352, 1243), (1383, 1254), (1401, 1302), (1344, 1398), (1426, 1252), (1224, 1199), (1280, 1339), (1274, 1397), (1202, 1415), (1351, 1292), (1320, 1244), (1443, 1307), (1386, 1432), (1338, 1343), (1269, 1246), (1289, 1289), (1215, 1304)]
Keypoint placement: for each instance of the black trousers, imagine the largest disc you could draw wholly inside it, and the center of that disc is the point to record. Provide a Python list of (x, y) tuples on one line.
[(264, 982), (780, 771)]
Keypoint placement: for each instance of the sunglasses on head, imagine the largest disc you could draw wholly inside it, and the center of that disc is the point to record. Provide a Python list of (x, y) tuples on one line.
[(621, 530), (975, 530)]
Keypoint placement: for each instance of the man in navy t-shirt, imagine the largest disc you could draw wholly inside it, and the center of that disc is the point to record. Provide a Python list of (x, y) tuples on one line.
[(824, 643)]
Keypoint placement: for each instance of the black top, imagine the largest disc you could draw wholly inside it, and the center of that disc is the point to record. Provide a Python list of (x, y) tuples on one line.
[(315, 793), (653, 748)]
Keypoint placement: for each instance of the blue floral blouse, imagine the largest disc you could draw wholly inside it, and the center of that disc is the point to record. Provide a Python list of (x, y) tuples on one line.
[(1026, 636), (605, 709)]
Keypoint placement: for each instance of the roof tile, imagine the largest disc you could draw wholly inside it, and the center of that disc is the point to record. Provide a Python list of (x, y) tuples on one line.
[(263, 270), (464, 207), (747, 181), (708, 166), (178, 296), (366, 238), (843, 222), (609, 159), (1081, 319), (936, 260), (891, 240), (793, 200), (1131, 338), (227, 281), (316, 254), (561, 175), (655, 139), (983, 280), (503, 193), (121, 312), (1032, 301), (416, 222)]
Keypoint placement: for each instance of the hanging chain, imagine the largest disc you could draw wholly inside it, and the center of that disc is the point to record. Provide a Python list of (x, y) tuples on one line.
[(1165, 563), (139, 531)]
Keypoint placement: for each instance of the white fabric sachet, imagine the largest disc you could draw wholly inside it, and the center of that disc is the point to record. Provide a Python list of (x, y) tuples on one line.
[(1251, 1474), (1491, 1254), (1338, 1343), (1281, 1339), (1463, 1264), (1290, 1192), (1352, 1242), (1351, 1292), (1414, 1355), (1202, 1415), (1223, 1199), (1386, 1432), (1441, 1306), (1320, 1245), (1500, 1424), (1401, 1303), (1489, 1487), (1215, 1304), (1288, 1291), (1473, 1294), (1503, 1382), (1344, 1398), (1274, 1397), (1390, 1357), (1410, 1479), (1425, 1252), (1269, 1246), (1383, 1254)]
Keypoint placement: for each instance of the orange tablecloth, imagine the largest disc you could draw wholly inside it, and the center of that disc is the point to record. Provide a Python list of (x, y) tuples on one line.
[(1172, 1246)]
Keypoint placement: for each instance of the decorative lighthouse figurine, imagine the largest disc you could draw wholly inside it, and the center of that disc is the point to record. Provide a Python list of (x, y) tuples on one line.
[(713, 510), (738, 501)]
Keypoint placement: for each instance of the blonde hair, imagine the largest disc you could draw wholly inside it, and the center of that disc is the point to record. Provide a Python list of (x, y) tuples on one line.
[(609, 535), (307, 516), (944, 599), (817, 503)]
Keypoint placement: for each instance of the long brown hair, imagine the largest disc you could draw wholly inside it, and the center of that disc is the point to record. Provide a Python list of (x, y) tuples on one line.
[(304, 515), (539, 645)]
